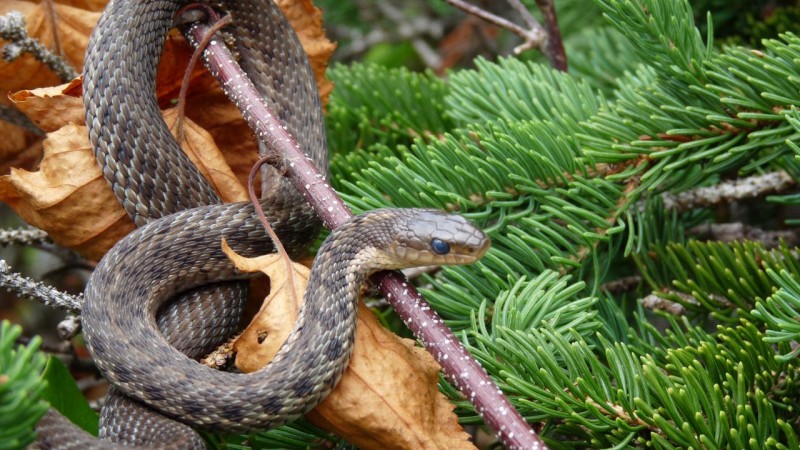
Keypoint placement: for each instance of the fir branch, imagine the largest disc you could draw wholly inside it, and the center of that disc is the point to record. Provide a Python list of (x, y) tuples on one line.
[(69, 327), (729, 232), (467, 374), (24, 236), (27, 288), (14, 116), (21, 387), (658, 303), (780, 312), (12, 28), (729, 191)]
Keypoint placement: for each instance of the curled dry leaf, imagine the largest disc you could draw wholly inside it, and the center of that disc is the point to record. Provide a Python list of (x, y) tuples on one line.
[(68, 196), (388, 396), (51, 108), (57, 107), (19, 148)]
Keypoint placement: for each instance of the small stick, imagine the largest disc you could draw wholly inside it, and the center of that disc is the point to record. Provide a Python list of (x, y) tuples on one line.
[(531, 38), (12, 28), (553, 45), (251, 179), (46, 295), (465, 372)]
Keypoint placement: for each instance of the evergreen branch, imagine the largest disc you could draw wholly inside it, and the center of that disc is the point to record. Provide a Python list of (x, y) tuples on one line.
[(462, 370), (12, 28), (24, 236), (556, 172), (21, 387), (548, 94), (26, 288), (729, 191), (602, 57), (725, 279), (14, 116), (390, 112), (662, 32), (781, 312), (730, 232)]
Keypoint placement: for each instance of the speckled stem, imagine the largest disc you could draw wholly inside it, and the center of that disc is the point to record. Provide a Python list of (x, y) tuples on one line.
[(462, 370)]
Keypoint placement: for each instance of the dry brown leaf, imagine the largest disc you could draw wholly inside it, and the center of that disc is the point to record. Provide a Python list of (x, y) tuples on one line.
[(306, 19), (206, 156), (270, 327), (68, 188), (388, 396), (15, 146), (68, 196), (50, 108)]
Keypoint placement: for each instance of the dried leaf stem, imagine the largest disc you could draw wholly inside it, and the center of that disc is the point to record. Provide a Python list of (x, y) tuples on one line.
[(251, 180), (462, 370)]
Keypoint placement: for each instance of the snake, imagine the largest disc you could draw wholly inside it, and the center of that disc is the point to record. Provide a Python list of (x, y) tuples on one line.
[(166, 293)]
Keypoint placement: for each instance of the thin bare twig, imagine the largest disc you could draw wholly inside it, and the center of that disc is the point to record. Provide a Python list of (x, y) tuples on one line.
[(728, 191), (549, 40), (730, 232), (23, 236), (14, 116), (622, 284), (532, 38), (46, 295), (12, 28), (553, 45), (187, 75), (462, 370)]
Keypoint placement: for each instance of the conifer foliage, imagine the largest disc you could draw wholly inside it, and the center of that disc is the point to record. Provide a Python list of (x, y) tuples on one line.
[(574, 176)]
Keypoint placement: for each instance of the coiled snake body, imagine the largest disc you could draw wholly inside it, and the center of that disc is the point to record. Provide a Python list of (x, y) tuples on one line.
[(176, 251)]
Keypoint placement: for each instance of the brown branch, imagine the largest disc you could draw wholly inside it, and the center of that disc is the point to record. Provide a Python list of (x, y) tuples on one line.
[(532, 38), (548, 41), (465, 373), (553, 45)]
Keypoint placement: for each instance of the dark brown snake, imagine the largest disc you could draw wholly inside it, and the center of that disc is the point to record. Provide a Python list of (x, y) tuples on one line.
[(165, 294)]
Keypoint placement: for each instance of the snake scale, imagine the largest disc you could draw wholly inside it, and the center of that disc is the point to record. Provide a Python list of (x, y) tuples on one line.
[(166, 293)]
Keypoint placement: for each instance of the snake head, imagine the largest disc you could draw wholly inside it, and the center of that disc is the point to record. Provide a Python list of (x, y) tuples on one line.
[(422, 237)]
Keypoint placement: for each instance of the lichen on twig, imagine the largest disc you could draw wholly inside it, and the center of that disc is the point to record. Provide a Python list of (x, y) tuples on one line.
[(12, 28)]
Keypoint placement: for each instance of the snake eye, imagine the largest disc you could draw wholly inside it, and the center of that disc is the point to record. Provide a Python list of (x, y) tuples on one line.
[(439, 246)]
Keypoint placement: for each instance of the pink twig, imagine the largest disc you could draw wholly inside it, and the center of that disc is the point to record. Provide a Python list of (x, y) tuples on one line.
[(465, 373)]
